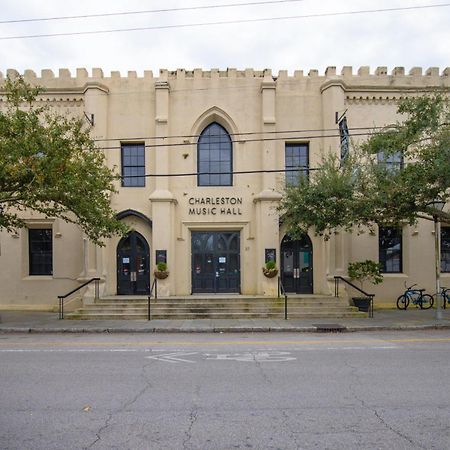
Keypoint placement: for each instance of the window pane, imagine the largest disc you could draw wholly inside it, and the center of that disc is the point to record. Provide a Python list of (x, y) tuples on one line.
[(390, 249), (40, 246), (214, 155), (296, 157), (133, 165), (445, 249)]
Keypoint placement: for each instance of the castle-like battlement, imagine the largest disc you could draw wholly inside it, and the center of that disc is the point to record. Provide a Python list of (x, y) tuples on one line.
[(379, 75)]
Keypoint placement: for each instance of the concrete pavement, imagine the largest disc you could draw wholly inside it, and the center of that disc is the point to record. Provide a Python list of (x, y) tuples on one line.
[(45, 322)]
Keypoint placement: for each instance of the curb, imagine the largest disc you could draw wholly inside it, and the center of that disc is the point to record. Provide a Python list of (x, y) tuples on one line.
[(304, 329)]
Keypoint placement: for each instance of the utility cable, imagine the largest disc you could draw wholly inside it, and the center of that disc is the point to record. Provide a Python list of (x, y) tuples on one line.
[(248, 133), (148, 11), (298, 138), (225, 22)]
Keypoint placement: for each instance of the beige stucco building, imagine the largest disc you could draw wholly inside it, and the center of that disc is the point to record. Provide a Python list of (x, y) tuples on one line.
[(186, 130)]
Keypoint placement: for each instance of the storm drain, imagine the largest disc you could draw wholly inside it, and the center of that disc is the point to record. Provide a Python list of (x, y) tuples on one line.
[(329, 328)]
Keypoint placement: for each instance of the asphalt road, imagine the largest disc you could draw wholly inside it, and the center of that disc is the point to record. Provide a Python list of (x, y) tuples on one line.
[(219, 391)]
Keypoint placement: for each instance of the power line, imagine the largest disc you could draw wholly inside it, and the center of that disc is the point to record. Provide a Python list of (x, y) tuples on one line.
[(248, 133), (224, 22), (148, 11), (293, 138), (236, 172)]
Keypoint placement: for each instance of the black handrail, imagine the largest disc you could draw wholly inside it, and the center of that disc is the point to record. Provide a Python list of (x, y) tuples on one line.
[(62, 297), (369, 296), (282, 290), (154, 286)]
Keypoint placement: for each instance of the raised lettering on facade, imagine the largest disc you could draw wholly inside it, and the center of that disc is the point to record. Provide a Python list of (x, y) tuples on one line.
[(215, 206)]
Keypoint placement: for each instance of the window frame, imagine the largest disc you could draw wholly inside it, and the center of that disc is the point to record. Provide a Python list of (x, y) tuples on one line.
[(383, 257), (135, 181), (210, 173), (33, 267), (391, 164), (289, 180), (446, 261)]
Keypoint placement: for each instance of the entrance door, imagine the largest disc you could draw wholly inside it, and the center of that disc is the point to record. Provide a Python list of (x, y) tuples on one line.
[(296, 265), (215, 262), (133, 265)]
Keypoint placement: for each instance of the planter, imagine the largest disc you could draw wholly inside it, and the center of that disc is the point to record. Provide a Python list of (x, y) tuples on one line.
[(161, 274), (270, 273), (362, 303)]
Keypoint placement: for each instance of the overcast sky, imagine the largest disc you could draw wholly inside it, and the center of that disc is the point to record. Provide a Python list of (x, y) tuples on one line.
[(406, 38)]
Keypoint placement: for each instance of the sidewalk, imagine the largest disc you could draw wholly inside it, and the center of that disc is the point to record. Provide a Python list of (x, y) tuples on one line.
[(44, 322)]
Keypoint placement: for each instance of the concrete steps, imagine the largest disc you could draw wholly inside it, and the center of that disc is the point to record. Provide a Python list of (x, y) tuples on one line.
[(215, 307)]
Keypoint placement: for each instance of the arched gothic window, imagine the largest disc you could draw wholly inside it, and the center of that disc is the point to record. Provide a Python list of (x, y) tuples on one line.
[(215, 157)]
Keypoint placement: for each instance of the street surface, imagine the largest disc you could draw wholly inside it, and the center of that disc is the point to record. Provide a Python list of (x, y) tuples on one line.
[(387, 390)]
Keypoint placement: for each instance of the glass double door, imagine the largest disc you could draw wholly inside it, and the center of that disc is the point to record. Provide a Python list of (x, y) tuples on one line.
[(296, 265), (133, 265), (215, 262)]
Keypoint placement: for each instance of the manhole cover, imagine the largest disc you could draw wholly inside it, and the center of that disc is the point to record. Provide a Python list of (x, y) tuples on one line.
[(329, 327)]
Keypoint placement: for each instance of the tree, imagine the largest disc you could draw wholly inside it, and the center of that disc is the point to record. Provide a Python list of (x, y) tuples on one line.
[(50, 165), (364, 191)]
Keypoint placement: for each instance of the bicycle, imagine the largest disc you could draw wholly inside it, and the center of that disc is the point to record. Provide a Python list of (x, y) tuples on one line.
[(416, 297), (445, 294)]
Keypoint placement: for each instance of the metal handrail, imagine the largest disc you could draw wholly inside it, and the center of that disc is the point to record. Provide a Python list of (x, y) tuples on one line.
[(369, 296), (282, 290), (62, 297), (154, 286)]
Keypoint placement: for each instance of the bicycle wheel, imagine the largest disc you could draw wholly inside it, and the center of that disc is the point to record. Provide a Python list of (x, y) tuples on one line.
[(402, 302), (446, 297), (426, 301)]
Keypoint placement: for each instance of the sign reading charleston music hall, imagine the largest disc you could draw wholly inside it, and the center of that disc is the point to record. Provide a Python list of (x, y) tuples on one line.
[(215, 206)]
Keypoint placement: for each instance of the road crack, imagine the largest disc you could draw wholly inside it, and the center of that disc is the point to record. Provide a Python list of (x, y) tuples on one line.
[(148, 385), (374, 411)]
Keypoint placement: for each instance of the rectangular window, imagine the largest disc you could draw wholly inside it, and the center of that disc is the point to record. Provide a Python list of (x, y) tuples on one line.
[(390, 249), (445, 249), (296, 157), (393, 162), (40, 246), (133, 165)]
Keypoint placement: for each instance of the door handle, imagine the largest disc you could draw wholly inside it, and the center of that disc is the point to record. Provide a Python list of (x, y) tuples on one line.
[(133, 276)]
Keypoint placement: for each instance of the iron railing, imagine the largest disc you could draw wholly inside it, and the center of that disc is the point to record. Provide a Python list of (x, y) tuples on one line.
[(155, 287), (369, 296), (62, 297), (282, 291)]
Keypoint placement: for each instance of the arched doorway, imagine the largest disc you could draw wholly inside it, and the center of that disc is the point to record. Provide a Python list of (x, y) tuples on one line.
[(297, 265), (133, 265)]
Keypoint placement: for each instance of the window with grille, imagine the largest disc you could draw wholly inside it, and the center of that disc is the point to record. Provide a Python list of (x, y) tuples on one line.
[(215, 157), (296, 157), (133, 165), (40, 246), (390, 249)]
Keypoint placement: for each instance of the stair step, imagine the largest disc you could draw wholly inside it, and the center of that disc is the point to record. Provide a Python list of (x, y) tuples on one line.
[(216, 307)]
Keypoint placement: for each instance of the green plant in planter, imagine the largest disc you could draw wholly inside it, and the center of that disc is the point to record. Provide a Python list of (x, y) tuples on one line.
[(161, 271), (161, 266), (270, 269), (367, 270), (364, 271)]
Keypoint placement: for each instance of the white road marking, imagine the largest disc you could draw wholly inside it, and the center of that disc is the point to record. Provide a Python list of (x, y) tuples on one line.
[(252, 356), (172, 357)]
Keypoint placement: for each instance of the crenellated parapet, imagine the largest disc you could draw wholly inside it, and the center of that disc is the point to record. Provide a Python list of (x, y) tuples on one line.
[(380, 75), (362, 85)]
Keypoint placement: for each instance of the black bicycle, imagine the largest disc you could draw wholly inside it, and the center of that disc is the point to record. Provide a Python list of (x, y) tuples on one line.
[(416, 297), (445, 294)]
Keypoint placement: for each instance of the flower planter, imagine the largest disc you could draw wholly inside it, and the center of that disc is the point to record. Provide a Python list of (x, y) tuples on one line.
[(270, 273), (362, 303), (161, 274)]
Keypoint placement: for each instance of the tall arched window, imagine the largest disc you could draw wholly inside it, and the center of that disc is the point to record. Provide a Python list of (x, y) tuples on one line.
[(215, 157)]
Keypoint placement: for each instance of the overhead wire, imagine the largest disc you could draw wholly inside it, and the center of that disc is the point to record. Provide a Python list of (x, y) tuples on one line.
[(226, 22), (149, 11), (283, 138)]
